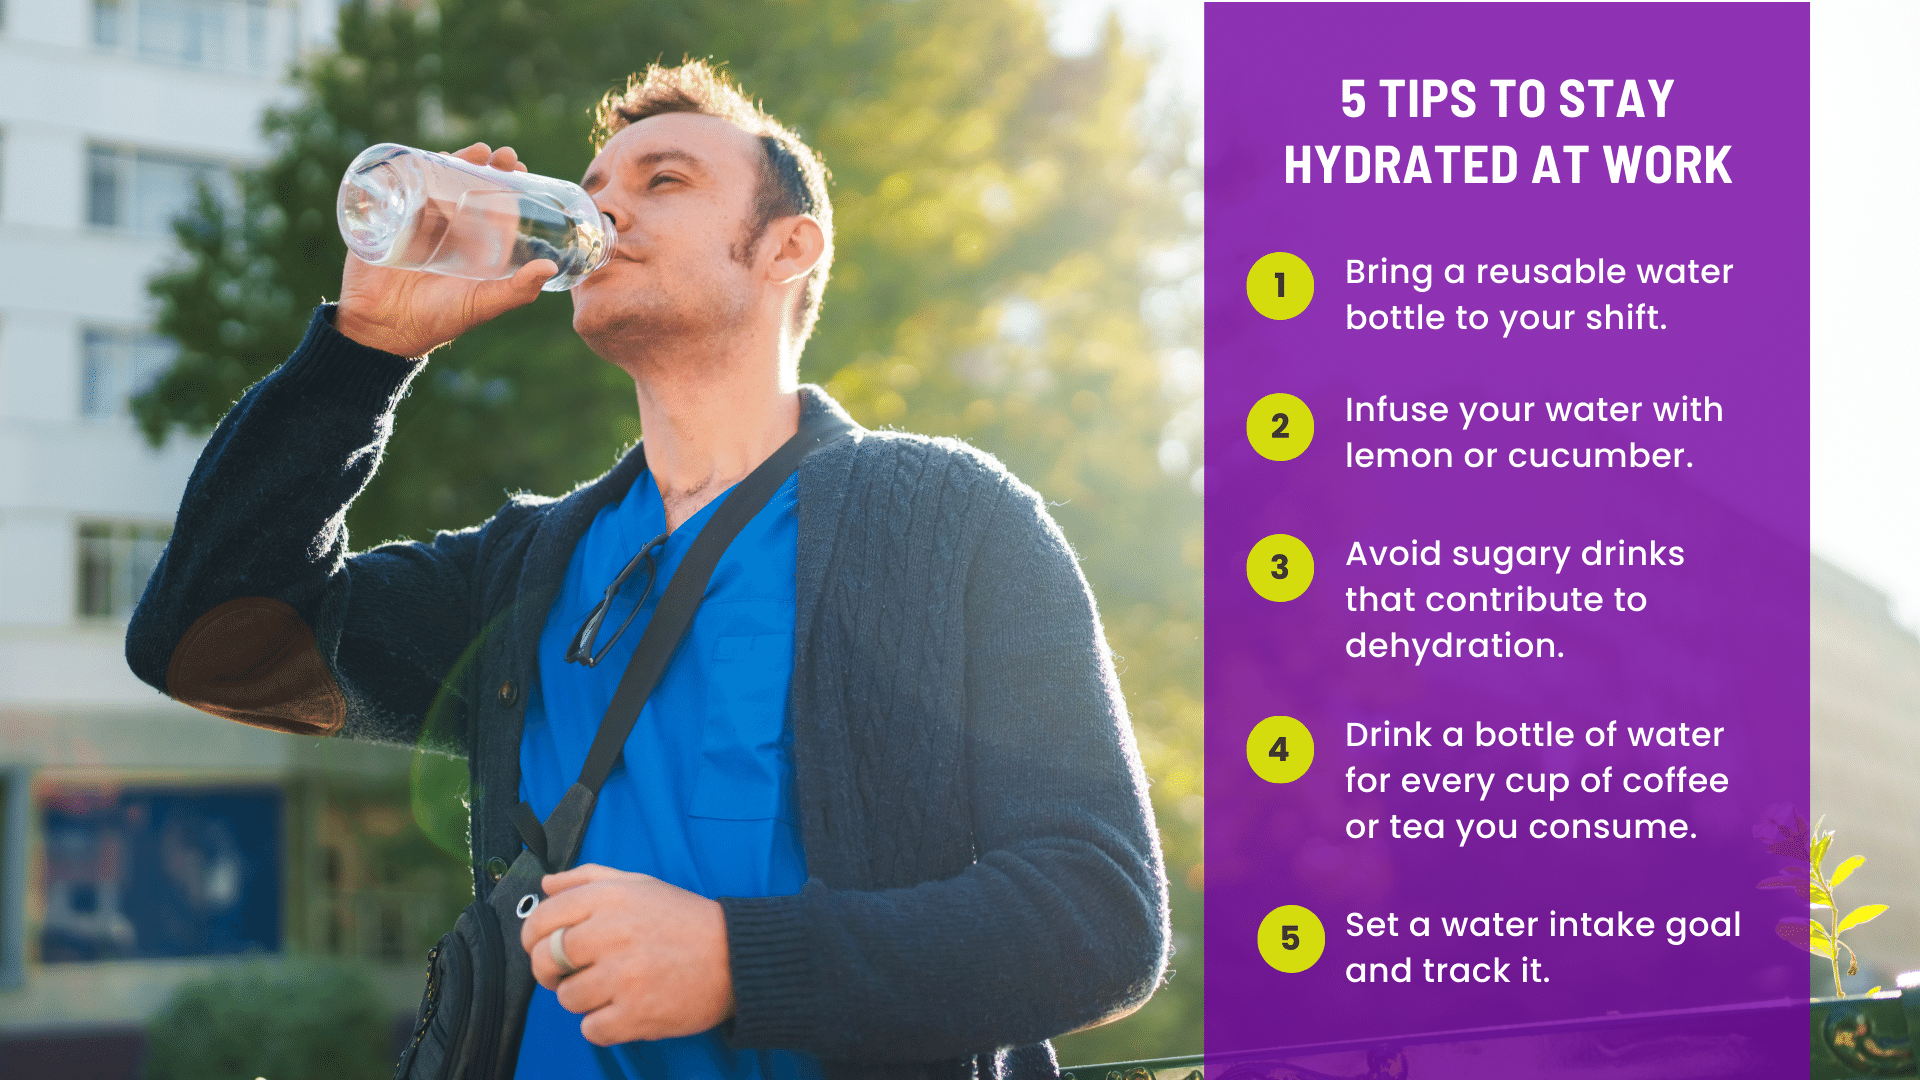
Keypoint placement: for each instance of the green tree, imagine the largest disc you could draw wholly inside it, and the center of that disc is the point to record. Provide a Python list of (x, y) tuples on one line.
[(1015, 267)]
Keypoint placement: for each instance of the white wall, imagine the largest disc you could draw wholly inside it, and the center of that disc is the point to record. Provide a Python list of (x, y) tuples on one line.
[(58, 276)]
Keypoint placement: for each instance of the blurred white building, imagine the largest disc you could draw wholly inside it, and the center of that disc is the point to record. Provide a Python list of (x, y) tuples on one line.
[(1866, 767), (111, 111)]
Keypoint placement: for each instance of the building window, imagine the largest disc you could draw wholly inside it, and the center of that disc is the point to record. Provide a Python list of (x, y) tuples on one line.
[(182, 31), (142, 191), (252, 36), (107, 17), (117, 366), (259, 26), (138, 872), (116, 559)]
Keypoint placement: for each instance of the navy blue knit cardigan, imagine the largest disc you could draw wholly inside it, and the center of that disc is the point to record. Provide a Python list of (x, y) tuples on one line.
[(984, 871)]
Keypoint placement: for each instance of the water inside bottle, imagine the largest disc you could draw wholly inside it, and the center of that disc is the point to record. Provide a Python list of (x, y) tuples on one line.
[(414, 211)]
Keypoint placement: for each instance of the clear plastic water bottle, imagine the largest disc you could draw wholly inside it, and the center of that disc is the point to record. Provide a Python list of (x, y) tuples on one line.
[(415, 210)]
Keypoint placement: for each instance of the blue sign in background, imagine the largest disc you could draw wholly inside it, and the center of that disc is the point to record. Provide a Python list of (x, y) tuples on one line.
[(138, 873)]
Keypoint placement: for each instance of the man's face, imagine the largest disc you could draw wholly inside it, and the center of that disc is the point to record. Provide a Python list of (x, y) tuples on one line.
[(680, 190)]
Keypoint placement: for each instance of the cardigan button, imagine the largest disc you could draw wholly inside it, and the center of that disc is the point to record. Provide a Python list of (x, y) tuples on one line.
[(496, 868), (509, 693)]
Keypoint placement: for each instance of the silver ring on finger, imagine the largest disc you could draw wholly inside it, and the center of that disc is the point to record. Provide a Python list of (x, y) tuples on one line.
[(558, 953)]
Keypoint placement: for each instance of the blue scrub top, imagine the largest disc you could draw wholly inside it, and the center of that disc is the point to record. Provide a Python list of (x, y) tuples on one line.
[(703, 796)]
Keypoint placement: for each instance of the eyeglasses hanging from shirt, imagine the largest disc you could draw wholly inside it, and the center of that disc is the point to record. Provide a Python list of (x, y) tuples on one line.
[(581, 650)]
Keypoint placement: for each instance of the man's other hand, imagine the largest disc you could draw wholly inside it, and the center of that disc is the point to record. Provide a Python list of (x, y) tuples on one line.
[(650, 958), (413, 312)]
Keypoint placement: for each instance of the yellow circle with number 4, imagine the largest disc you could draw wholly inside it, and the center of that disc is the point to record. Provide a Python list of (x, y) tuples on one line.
[(1292, 939), (1280, 285), (1280, 568), (1280, 427), (1280, 749)]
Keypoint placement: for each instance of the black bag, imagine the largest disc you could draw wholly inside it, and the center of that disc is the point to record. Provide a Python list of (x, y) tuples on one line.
[(479, 980)]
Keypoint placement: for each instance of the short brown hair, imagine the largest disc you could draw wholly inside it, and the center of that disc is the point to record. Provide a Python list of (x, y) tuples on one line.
[(793, 179)]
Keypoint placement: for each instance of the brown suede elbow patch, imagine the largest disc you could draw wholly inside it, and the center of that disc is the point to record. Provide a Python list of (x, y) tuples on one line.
[(254, 660)]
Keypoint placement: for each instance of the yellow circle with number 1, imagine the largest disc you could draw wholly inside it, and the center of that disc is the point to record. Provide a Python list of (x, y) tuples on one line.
[(1280, 749), (1280, 285), (1280, 568), (1280, 427), (1292, 939)]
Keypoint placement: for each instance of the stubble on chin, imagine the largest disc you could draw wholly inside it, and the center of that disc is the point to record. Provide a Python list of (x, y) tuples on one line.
[(614, 326), (627, 321)]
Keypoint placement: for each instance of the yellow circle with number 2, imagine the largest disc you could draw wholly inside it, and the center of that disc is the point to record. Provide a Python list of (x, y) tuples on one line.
[(1280, 285), (1280, 749), (1292, 939), (1280, 427), (1280, 568)]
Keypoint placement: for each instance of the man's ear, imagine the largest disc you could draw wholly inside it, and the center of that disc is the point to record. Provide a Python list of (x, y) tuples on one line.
[(798, 245)]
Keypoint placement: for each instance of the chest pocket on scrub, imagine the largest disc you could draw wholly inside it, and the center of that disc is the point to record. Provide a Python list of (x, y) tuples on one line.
[(743, 746)]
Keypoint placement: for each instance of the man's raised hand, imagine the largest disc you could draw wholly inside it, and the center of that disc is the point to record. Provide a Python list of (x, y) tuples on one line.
[(412, 312)]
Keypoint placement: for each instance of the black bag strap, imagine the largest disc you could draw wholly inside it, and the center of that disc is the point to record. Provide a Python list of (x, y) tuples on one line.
[(689, 586), (557, 841)]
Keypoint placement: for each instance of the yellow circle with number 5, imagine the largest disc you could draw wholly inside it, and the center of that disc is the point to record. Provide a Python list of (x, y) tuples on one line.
[(1280, 568), (1280, 749), (1280, 285), (1280, 427), (1292, 939)]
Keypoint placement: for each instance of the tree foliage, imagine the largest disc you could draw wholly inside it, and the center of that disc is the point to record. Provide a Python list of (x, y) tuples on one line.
[(297, 1021), (1015, 267)]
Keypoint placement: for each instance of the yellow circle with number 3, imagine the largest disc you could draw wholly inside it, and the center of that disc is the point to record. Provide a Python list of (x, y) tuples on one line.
[(1280, 427), (1280, 749), (1292, 939), (1280, 285), (1280, 568)]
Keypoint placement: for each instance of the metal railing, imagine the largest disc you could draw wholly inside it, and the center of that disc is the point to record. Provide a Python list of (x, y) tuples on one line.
[(1191, 1067), (1848, 1038)]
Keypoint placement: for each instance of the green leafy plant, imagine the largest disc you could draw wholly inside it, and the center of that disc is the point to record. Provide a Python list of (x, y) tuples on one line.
[(294, 1020), (1786, 834)]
